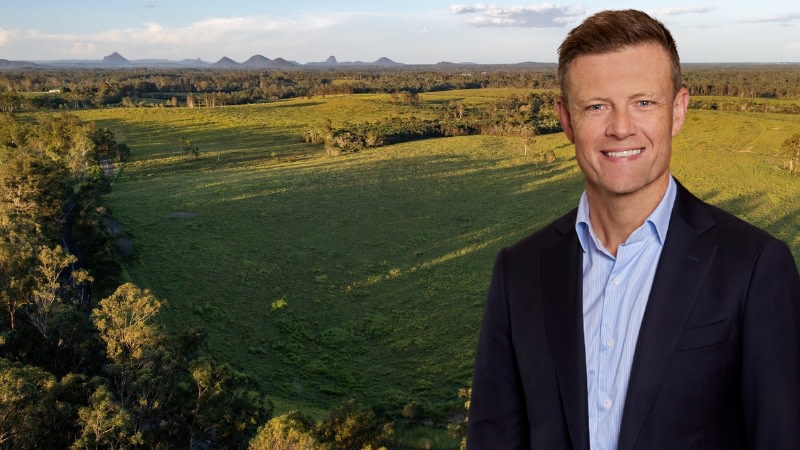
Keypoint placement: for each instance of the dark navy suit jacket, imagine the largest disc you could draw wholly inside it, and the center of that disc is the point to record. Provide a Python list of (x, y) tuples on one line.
[(717, 361)]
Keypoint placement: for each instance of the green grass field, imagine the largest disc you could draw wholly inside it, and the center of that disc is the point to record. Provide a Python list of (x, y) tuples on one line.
[(363, 275)]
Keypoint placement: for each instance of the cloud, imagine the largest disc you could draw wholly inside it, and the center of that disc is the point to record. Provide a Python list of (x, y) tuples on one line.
[(671, 11), (534, 16), (217, 34), (465, 9), (780, 20), (5, 36), (83, 49), (205, 32)]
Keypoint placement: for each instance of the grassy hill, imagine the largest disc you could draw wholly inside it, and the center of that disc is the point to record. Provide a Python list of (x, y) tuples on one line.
[(363, 275)]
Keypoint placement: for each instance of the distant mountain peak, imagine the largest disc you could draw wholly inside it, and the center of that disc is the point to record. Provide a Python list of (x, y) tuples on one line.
[(331, 61), (115, 59), (225, 62), (280, 63), (257, 61)]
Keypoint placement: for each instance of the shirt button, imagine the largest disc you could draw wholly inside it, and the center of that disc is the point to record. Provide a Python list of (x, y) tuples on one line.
[(607, 404), (617, 281), (610, 343)]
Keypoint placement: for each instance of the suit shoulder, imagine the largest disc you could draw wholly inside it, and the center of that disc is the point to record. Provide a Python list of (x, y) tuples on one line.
[(731, 227), (743, 247), (719, 225), (551, 234)]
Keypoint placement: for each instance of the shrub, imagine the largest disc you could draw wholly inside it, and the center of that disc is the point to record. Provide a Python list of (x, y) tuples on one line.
[(353, 426), (292, 431)]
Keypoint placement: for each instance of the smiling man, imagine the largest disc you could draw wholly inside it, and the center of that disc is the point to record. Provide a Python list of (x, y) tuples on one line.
[(645, 318)]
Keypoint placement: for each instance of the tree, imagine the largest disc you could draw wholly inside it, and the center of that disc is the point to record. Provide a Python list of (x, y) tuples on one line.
[(791, 148), (81, 153), (125, 322), (144, 370), (209, 381), (48, 290), (32, 191), (187, 148), (28, 405), (17, 262), (228, 409), (291, 431), (9, 101), (353, 426), (105, 423), (107, 146)]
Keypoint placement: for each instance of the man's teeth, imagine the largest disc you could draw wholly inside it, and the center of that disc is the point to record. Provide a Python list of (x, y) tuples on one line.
[(624, 154)]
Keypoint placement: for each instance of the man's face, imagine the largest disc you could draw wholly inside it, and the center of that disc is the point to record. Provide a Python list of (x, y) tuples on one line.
[(621, 115)]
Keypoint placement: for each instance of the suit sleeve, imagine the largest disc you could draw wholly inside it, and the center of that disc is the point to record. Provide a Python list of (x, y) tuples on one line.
[(497, 416), (771, 352)]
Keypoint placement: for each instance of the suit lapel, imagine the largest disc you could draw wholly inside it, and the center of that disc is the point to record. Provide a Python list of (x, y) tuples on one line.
[(683, 265), (563, 312)]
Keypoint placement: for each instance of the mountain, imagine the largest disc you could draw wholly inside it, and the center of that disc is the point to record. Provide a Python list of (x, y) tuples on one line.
[(226, 63), (257, 62), (115, 60), (330, 62), (280, 63), (384, 61), (197, 62), (11, 65), (380, 62)]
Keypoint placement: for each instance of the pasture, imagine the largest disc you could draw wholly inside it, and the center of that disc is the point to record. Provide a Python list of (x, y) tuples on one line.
[(363, 275)]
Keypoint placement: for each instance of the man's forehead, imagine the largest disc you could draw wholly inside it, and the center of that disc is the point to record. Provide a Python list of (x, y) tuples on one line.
[(643, 67)]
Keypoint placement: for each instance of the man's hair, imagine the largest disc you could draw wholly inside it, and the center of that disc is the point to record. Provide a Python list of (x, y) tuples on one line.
[(610, 31)]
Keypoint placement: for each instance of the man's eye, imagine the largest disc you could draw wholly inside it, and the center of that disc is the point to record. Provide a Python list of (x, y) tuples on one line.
[(645, 103), (596, 107)]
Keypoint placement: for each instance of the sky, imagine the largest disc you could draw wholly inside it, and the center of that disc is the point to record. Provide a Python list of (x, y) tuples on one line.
[(406, 31)]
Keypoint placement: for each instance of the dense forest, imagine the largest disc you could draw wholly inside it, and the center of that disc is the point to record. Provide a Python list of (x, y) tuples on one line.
[(83, 360), (63, 88)]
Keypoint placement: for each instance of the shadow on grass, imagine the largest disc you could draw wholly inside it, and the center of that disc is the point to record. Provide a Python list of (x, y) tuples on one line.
[(298, 104)]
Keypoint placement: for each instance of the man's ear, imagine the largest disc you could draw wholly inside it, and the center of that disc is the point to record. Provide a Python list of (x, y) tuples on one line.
[(679, 107), (564, 118)]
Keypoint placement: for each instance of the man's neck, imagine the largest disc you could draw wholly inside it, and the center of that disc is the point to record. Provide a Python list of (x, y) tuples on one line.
[(615, 216)]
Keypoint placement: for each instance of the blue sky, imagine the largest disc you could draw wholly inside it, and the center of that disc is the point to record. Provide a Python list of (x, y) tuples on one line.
[(409, 31)]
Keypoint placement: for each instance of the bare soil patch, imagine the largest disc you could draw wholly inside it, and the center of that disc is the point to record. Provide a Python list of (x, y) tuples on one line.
[(183, 215)]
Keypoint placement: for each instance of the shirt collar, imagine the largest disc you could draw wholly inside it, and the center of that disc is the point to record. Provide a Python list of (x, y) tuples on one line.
[(659, 218)]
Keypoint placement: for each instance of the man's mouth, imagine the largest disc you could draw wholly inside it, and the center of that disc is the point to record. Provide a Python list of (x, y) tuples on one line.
[(625, 153)]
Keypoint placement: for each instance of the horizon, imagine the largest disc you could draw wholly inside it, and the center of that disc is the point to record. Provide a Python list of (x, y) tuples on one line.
[(348, 62), (415, 33)]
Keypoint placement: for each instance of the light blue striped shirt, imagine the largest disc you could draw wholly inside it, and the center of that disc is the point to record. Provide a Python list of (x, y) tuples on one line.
[(615, 292)]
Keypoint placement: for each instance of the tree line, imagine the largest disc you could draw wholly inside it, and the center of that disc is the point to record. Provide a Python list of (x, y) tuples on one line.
[(84, 88), (94, 88), (523, 116)]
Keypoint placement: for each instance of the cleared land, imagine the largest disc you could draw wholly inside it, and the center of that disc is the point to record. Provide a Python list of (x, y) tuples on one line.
[(363, 275)]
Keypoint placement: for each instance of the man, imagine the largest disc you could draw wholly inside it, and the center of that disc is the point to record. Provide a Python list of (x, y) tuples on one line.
[(644, 319)]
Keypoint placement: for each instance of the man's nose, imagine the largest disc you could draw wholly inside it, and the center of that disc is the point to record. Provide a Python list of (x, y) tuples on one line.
[(621, 123)]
